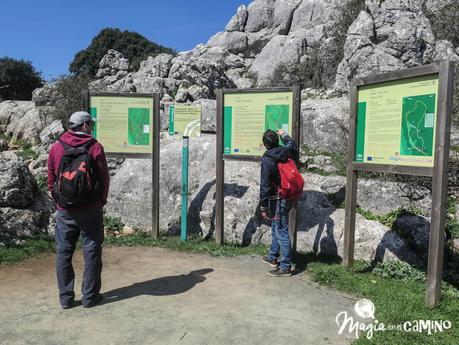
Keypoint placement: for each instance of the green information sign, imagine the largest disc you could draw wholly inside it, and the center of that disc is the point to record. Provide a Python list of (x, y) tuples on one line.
[(124, 124), (185, 120), (246, 116), (396, 122)]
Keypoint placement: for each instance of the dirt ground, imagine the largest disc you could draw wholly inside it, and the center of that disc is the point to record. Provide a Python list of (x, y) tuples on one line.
[(158, 296)]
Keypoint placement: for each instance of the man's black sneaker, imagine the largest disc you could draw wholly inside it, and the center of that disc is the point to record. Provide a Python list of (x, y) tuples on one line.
[(69, 305), (272, 263), (94, 302), (280, 273)]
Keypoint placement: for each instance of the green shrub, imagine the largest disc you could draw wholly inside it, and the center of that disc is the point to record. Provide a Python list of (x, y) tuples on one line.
[(451, 223), (113, 223), (42, 183), (18, 78), (399, 270), (25, 151), (70, 89), (132, 45)]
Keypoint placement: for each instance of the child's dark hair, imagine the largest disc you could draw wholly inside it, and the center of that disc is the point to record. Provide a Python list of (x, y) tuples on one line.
[(270, 139)]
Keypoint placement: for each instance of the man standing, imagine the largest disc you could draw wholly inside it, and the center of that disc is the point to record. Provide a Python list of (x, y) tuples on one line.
[(274, 206), (78, 181)]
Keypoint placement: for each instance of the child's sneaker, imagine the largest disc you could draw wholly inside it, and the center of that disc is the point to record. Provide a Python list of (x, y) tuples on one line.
[(280, 273), (272, 263)]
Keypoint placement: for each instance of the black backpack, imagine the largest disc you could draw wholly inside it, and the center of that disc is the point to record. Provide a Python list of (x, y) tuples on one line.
[(77, 182)]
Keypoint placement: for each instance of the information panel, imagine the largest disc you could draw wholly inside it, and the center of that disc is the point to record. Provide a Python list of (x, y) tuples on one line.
[(396, 122), (185, 120), (124, 124), (248, 115)]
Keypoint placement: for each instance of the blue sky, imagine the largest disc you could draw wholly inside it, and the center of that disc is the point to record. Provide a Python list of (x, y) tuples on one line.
[(50, 32)]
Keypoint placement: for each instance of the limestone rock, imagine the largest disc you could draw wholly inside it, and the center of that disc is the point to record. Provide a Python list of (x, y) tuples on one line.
[(112, 63), (233, 41), (281, 50), (325, 124), (18, 187), (323, 163), (237, 23), (37, 219), (3, 145), (13, 111), (392, 35), (51, 133), (48, 95)]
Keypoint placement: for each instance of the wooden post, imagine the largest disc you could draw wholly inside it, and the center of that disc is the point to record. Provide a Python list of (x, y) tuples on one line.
[(296, 135), (220, 173), (351, 184), (439, 184)]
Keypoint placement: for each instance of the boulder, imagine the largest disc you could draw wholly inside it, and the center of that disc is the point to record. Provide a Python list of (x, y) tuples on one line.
[(3, 145), (112, 63), (26, 128), (322, 232), (51, 133), (273, 15), (324, 124), (130, 193), (280, 51), (390, 35), (378, 197), (18, 187), (312, 14), (47, 95), (323, 163), (238, 21), (209, 111), (13, 111), (37, 219), (233, 41)]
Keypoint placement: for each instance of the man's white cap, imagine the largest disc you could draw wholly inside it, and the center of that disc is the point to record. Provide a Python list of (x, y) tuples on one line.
[(80, 117)]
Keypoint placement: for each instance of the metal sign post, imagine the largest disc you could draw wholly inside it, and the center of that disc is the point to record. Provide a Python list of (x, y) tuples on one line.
[(436, 167), (183, 228)]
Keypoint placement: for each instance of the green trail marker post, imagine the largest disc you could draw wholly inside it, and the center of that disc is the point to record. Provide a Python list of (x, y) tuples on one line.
[(183, 229)]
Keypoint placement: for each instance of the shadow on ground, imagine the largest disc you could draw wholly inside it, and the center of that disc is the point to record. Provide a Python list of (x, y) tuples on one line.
[(165, 286)]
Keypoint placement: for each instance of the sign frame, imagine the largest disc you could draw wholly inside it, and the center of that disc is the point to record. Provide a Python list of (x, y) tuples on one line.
[(154, 156), (174, 104), (221, 157), (439, 172)]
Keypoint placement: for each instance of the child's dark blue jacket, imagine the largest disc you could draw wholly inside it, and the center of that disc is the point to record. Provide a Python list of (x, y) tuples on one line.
[(269, 172)]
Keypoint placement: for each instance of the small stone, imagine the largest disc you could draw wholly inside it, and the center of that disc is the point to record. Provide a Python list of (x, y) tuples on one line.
[(127, 230)]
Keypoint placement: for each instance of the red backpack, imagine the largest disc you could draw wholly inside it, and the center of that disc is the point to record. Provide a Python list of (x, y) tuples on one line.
[(292, 183)]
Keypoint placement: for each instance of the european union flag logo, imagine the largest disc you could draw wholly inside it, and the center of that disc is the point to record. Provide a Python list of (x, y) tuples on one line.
[(369, 158)]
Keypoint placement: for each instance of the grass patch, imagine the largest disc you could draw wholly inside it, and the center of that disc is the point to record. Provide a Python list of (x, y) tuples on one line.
[(25, 150), (11, 253), (396, 300), (192, 245), (113, 223), (389, 218), (451, 223)]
